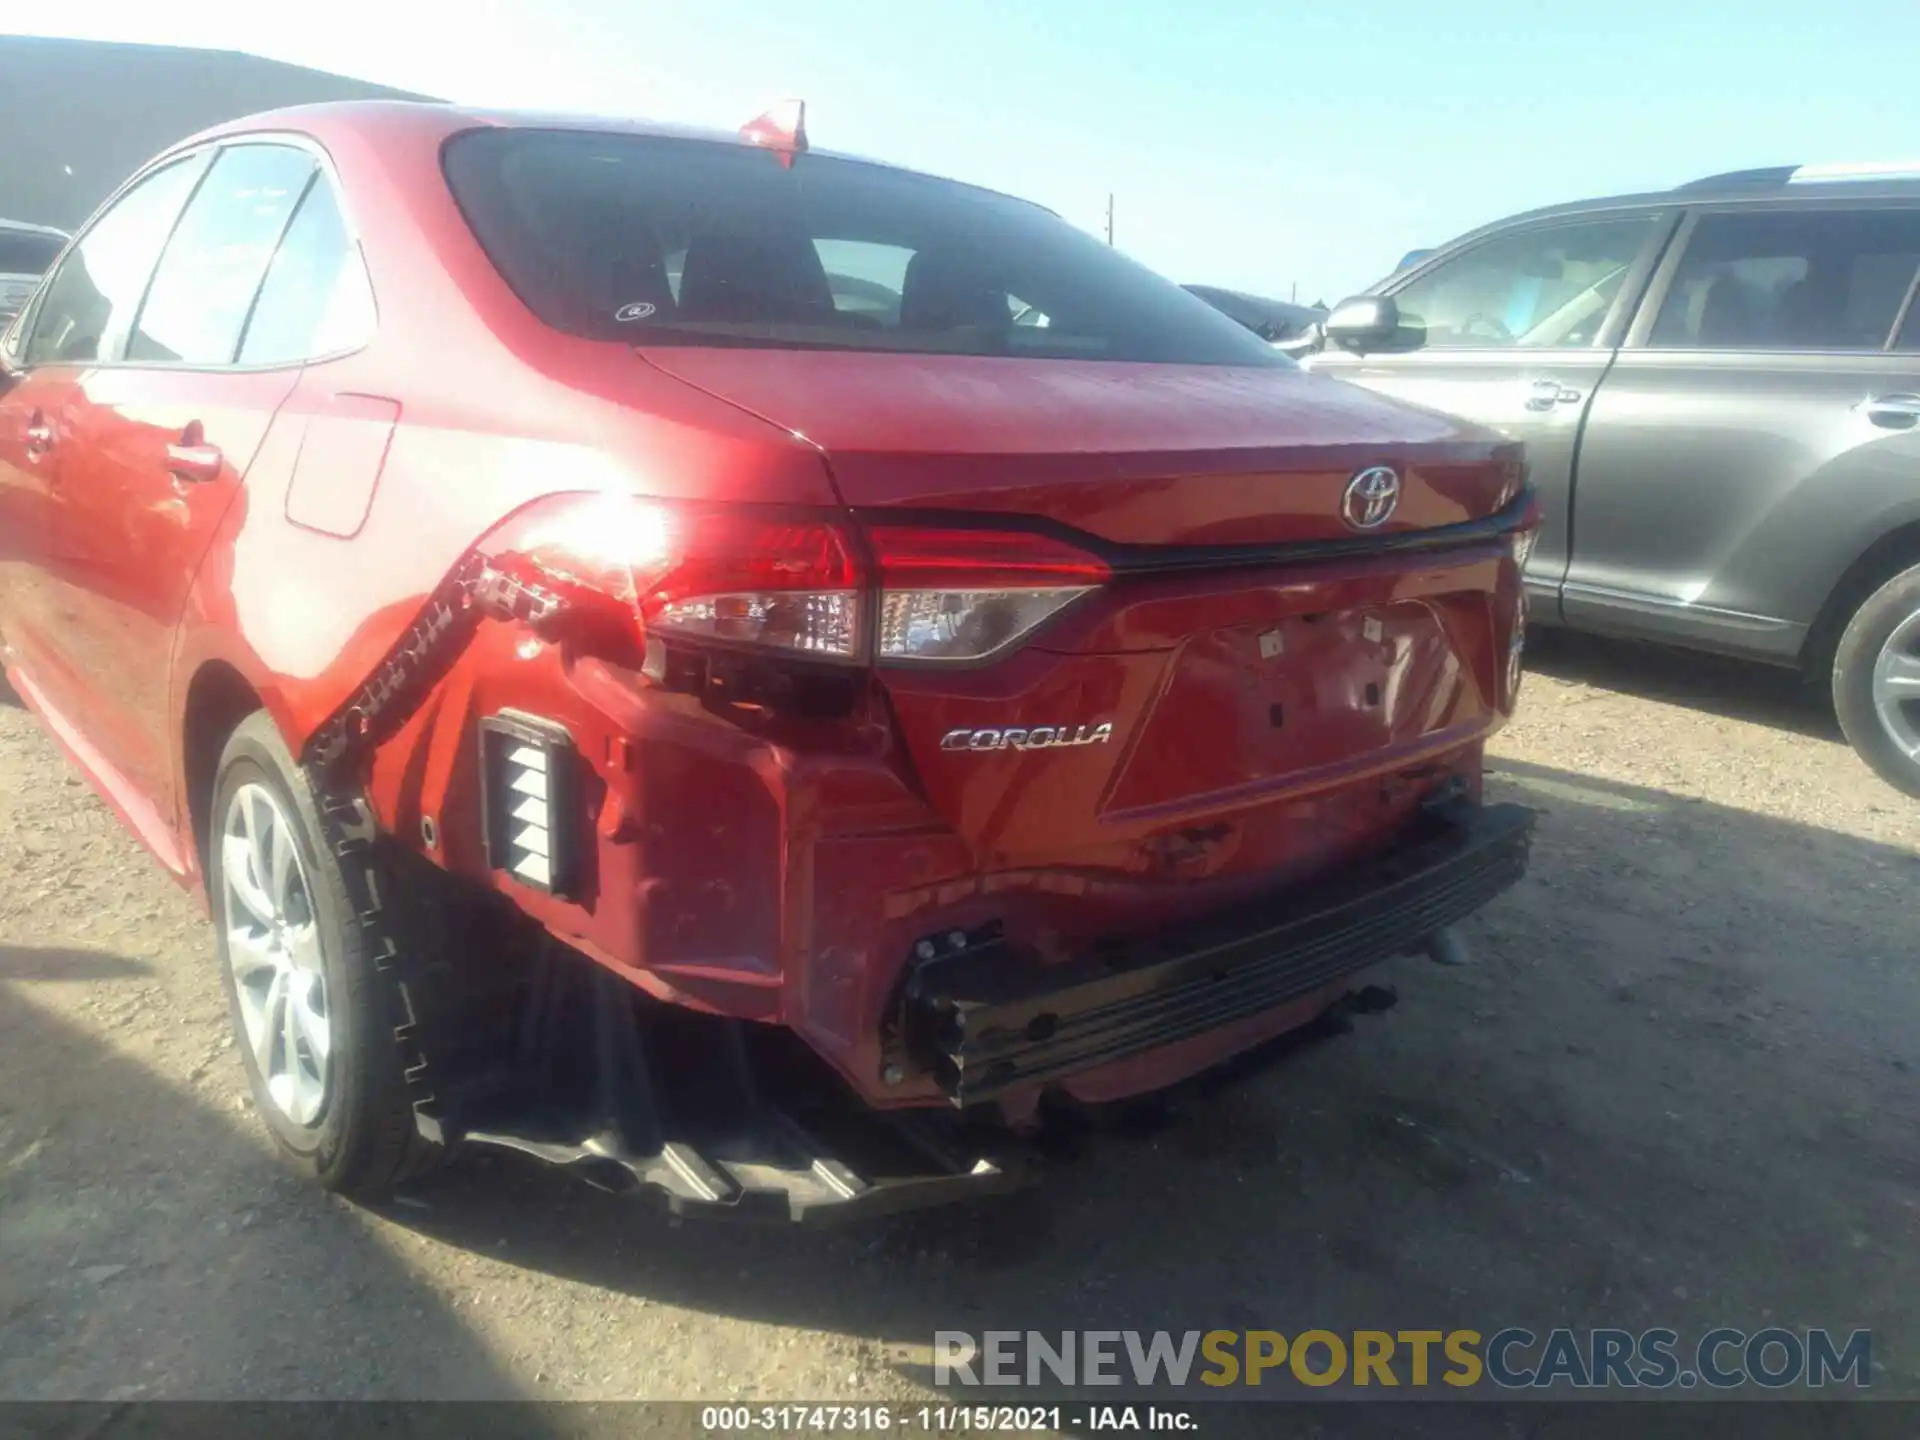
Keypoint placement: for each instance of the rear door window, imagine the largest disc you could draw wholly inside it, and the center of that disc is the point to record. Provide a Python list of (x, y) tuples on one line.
[(315, 300), (204, 286), (1791, 280), (88, 307), (658, 240)]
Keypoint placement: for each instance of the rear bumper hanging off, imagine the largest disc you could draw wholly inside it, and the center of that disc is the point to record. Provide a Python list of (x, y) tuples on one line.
[(986, 1018)]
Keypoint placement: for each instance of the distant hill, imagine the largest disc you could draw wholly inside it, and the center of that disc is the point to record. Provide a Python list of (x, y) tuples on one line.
[(78, 116)]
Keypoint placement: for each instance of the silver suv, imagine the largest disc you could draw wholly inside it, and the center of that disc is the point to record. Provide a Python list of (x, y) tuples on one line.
[(1719, 388)]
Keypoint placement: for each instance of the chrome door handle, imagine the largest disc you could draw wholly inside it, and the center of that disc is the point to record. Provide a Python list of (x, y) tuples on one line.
[(196, 463), (39, 435), (1892, 412), (1545, 394)]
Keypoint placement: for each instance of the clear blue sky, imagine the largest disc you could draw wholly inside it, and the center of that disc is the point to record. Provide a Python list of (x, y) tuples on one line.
[(1253, 145)]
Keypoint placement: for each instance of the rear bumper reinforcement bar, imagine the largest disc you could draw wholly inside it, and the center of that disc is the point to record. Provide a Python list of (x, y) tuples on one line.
[(987, 1018)]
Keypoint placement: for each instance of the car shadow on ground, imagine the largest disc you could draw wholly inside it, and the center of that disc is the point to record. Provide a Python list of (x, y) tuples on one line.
[(1712, 684), (1677, 1088), (7, 697), (137, 1277), (35, 962)]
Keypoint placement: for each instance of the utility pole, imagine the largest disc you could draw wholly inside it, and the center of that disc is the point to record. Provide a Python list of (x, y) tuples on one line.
[(1109, 217), (1293, 292)]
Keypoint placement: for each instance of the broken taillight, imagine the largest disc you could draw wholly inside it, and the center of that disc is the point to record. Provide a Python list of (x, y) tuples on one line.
[(735, 575), (961, 595), (799, 583)]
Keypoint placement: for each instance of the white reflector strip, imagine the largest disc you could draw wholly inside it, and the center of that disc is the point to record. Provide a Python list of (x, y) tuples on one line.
[(531, 812), (528, 783), (533, 868), (532, 837), (529, 757)]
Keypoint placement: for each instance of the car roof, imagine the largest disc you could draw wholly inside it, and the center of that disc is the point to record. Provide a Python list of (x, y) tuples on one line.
[(1792, 186), (438, 118), (28, 228)]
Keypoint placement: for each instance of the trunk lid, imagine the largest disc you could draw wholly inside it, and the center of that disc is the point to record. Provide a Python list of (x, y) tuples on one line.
[(1139, 454), (1189, 712)]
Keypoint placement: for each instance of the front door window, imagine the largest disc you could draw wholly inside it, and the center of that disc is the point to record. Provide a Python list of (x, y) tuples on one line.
[(1546, 287)]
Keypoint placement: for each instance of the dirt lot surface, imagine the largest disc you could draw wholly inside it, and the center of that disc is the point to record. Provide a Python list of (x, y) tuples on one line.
[(1680, 1087)]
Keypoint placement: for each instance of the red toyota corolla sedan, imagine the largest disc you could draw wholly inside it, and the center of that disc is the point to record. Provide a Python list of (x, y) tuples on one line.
[(749, 673)]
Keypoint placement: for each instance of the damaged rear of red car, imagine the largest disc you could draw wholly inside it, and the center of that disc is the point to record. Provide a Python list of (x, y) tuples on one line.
[(797, 665)]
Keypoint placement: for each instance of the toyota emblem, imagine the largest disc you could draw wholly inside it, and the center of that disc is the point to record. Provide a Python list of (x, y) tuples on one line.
[(1372, 495)]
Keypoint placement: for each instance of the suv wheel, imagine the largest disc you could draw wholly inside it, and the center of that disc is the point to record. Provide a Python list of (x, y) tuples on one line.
[(309, 1012), (1876, 681)]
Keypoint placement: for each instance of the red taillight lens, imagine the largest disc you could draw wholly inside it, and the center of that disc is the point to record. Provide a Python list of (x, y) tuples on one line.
[(936, 594), (733, 575), (951, 595)]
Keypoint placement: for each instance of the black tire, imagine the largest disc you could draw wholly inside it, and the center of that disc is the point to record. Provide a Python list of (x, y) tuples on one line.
[(364, 1139), (1866, 635)]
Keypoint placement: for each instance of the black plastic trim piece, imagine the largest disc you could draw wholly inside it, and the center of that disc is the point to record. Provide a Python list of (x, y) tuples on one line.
[(1132, 560), (986, 1018), (499, 733)]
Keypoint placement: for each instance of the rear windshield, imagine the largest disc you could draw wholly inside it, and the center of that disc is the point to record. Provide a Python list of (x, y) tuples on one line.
[(22, 252), (667, 241)]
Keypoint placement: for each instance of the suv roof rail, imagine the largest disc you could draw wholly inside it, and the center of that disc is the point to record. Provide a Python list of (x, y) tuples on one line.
[(1858, 170), (1760, 179), (1769, 177)]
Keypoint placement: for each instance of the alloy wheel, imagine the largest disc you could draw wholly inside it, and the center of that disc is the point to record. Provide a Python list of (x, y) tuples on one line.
[(1896, 686), (274, 949)]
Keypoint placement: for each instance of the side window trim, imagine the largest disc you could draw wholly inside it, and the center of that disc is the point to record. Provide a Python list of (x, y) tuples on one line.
[(1662, 223), (208, 157), (253, 302), (1903, 318), (1636, 291)]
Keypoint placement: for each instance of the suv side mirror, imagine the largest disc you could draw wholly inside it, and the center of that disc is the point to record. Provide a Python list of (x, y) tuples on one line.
[(1364, 322)]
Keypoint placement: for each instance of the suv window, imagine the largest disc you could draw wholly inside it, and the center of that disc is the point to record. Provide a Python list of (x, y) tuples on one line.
[(211, 268), (89, 304), (1910, 328), (315, 300), (668, 241), (1787, 280), (1545, 287)]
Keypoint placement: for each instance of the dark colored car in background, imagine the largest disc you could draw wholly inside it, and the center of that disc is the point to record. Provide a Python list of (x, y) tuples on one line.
[(26, 251), (1719, 391), (631, 696), (1272, 320)]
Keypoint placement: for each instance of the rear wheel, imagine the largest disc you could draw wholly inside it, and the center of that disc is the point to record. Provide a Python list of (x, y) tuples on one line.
[(310, 1013), (1876, 681)]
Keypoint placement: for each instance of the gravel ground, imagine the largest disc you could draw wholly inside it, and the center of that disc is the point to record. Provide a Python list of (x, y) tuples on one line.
[(1681, 1087)]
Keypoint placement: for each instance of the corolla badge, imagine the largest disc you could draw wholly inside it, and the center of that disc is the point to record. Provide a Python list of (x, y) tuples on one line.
[(1038, 737), (1372, 496), (639, 310)]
